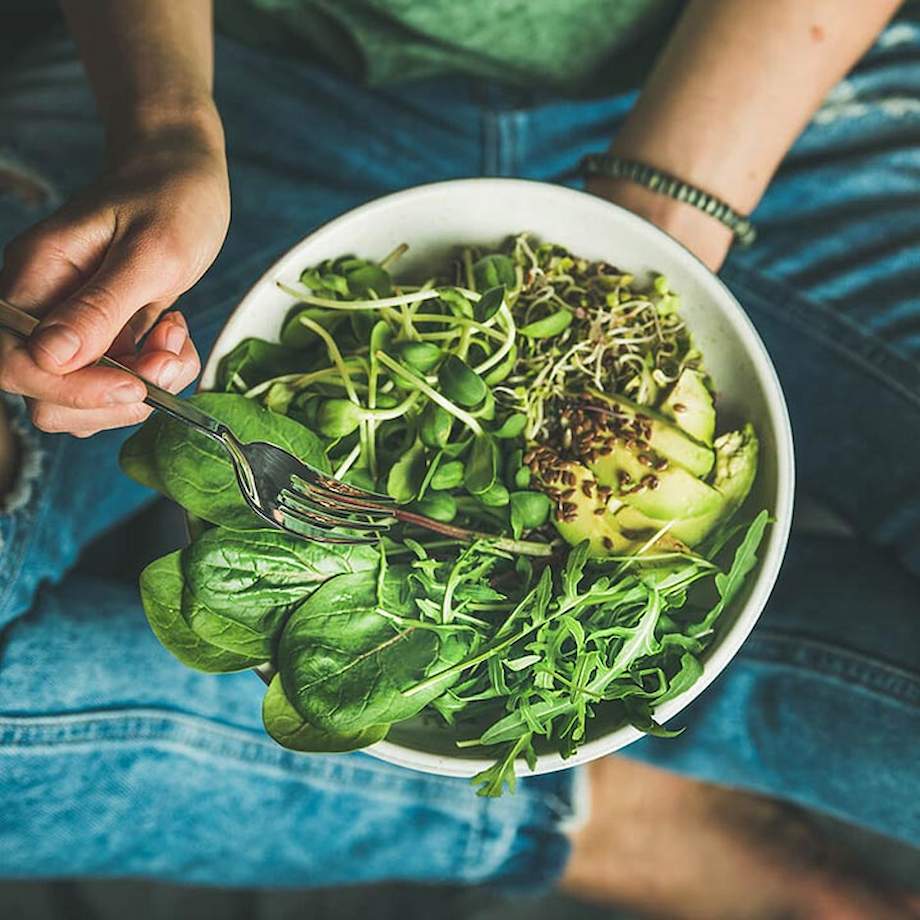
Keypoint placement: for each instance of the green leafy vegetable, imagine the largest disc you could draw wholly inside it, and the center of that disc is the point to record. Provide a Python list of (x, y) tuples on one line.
[(196, 472), (162, 591), (459, 383), (482, 466), (253, 576), (346, 655), (289, 728), (254, 361), (494, 271)]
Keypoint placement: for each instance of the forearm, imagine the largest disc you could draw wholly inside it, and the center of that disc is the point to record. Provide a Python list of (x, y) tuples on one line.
[(150, 63), (735, 86)]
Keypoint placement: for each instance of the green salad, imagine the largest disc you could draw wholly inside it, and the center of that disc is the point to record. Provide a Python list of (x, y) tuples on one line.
[(568, 536)]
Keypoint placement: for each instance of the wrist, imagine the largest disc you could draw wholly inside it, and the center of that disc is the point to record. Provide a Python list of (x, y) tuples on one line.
[(704, 236), (188, 120)]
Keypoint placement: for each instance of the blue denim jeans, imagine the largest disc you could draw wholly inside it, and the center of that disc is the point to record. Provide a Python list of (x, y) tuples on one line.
[(115, 760)]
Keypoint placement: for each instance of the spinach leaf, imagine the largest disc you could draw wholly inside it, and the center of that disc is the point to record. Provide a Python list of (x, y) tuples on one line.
[(253, 576), (289, 728), (226, 633), (346, 655), (195, 471), (162, 589)]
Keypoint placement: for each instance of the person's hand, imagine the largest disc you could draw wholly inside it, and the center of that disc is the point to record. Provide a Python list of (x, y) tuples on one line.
[(704, 236), (101, 271)]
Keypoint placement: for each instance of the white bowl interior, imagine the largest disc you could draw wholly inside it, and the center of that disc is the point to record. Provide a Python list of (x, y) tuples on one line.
[(434, 220)]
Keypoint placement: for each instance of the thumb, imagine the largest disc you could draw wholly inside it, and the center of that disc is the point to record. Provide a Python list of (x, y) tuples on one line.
[(81, 329)]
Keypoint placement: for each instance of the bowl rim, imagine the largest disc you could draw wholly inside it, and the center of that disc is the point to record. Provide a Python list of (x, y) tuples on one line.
[(772, 551)]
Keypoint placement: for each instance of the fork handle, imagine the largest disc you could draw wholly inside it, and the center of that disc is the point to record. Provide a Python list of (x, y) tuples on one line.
[(23, 324)]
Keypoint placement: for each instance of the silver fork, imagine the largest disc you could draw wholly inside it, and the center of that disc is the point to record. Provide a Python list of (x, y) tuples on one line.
[(282, 490)]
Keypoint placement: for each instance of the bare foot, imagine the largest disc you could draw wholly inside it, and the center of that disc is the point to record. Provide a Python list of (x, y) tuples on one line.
[(9, 453), (664, 846)]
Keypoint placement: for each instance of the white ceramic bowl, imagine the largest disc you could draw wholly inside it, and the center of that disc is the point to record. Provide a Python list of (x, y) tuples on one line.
[(434, 219)]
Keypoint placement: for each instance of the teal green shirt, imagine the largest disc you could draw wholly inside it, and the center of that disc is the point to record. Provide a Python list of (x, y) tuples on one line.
[(568, 45)]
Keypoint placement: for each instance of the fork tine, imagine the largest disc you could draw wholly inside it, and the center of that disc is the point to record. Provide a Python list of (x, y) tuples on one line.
[(318, 493), (333, 517), (316, 530), (338, 489)]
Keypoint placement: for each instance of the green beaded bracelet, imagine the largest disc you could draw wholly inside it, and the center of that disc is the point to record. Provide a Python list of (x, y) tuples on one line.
[(614, 167)]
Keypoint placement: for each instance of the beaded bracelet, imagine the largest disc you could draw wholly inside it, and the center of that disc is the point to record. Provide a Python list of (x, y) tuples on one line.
[(614, 167)]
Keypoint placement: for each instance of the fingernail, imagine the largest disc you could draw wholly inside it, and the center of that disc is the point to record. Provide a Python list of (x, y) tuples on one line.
[(175, 338), (126, 393), (59, 342), (169, 372)]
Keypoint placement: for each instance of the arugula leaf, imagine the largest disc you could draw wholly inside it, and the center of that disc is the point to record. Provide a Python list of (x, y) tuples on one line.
[(728, 584), (493, 780), (640, 641), (196, 472), (691, 670)]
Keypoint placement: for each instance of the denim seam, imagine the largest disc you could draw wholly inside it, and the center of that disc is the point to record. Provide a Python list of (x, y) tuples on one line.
[(195, 735), (825, 660), (854, 337)]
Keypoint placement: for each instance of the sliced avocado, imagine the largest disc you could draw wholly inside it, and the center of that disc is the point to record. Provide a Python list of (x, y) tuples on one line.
[(736, 469), (669, 491), (663, 436), (581, 511), (583, 515), (690, 405)]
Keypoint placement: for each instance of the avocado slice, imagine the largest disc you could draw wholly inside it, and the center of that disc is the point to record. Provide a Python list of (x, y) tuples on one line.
[(736, 469), (642, 423), (582, 511), (643, 480), (690, 406)]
